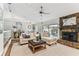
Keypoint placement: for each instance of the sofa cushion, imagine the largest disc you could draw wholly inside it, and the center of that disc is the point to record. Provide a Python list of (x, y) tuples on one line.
[(25, 36)]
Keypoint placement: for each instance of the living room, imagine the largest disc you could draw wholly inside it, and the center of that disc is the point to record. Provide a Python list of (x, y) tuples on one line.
[(39, 29)]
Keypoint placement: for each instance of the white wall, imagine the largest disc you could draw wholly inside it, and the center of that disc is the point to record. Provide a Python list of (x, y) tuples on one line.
[(1, 43), (7, 35), (1, 35)]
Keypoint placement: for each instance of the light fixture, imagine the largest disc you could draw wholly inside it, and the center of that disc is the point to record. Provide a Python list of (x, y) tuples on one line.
[(9, 7)]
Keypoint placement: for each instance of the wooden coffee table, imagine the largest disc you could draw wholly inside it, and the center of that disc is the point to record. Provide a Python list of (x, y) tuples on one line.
[(36, 46)]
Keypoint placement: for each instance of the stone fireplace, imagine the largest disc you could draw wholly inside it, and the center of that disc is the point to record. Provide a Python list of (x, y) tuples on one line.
[(69, 30)]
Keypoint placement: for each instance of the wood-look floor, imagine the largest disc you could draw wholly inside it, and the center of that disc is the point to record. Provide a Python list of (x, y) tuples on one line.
[(9, 50), (10, 47)]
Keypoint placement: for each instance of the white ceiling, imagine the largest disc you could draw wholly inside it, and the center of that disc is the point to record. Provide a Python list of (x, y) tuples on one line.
[(30, 11)]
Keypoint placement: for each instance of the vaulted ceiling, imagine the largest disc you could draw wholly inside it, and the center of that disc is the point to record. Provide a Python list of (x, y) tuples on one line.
[(30, 11)]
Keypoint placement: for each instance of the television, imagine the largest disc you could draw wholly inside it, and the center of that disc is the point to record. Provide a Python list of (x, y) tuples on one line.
[(69, 21)]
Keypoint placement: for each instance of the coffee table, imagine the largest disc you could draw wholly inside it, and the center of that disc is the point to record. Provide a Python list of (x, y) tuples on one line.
[(36, 46)]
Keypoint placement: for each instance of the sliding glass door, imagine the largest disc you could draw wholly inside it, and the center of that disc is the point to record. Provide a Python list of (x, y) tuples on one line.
[(54, 31)]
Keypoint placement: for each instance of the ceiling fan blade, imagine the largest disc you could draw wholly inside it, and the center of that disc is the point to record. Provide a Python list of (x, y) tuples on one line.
[(45, 13), (41, 11)]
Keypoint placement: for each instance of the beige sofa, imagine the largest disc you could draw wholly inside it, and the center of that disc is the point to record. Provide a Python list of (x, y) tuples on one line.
[(25, 40), (49, 40)]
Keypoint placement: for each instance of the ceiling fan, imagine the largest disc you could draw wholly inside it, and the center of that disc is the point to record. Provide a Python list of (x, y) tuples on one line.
[(42, 12)]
